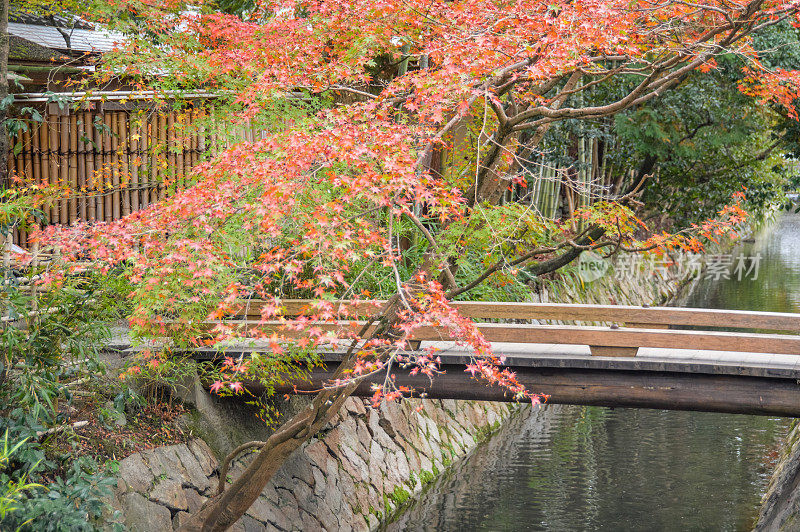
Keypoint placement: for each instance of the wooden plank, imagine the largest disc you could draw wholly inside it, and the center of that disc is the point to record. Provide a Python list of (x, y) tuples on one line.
[(660, 338), (576, 335), (631, 314), (638, 316), (611, 351)]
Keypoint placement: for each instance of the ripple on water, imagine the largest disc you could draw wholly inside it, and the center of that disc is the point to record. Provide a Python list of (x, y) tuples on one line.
[(589, 468)]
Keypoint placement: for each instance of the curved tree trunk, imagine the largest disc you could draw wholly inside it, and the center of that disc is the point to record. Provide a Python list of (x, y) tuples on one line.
[(223, 510)]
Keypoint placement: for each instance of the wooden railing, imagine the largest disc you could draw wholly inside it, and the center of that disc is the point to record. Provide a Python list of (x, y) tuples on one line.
[(625, 329)]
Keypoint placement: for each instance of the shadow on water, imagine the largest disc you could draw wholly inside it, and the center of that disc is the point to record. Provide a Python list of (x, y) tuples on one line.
[(590, 468)]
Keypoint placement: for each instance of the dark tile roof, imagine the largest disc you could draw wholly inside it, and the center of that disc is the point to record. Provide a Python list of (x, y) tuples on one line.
[(99, 40), (62, 21), (24, 50)]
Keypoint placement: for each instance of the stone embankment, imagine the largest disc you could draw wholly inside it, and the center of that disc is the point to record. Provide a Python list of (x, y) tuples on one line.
[(780, 507), (357, 472)]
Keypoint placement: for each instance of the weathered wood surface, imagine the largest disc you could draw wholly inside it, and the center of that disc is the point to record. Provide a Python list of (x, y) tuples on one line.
[(622, 314), (576, 335), (615, 388)]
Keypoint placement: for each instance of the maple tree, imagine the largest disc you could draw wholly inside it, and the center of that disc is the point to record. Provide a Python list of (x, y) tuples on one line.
[(322, 206)]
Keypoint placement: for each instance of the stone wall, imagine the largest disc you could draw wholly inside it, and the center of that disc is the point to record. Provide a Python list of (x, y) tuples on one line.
[(780, 507), (356, 473)]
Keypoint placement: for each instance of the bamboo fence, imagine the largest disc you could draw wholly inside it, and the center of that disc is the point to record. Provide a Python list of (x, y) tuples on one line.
[(107, 164)]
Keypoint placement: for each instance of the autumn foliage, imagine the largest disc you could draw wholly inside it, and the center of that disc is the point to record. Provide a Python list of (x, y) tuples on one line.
[(322, 201), (320, 206)]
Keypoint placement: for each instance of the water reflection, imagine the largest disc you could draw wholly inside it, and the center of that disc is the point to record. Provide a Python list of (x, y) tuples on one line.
[(777, 287), (589, 468), (586, 468)]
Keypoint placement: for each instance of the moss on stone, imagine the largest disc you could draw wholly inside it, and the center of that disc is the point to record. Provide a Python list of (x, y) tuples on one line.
[(426, 477), (399, 496)]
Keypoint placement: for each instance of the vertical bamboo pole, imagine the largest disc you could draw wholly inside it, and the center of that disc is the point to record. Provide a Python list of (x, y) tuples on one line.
[(99, 173), (108, 163), (172, 171), (595, 176), (36, 153), (164, 170), (91, 172), (152, 170), (85, 208), (13, 235), (547, 188), (73, 167), (214, 136), (180, 156), (27, 156), (153, 152), (63, 166), (116, 199), (601, 179), (556, 196), (193, 138), (581, 196), (123, 156), (42, 134), (146, 171), (136, 158), (202, 135), (52, 151)]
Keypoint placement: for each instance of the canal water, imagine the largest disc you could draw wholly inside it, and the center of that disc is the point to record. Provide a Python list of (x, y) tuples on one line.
[(564, 468)]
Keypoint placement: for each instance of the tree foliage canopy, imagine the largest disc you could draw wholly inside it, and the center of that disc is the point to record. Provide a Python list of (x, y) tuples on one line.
[(344, 198)]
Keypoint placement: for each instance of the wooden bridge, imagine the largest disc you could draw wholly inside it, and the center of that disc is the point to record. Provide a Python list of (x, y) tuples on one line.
[(608, 355)]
